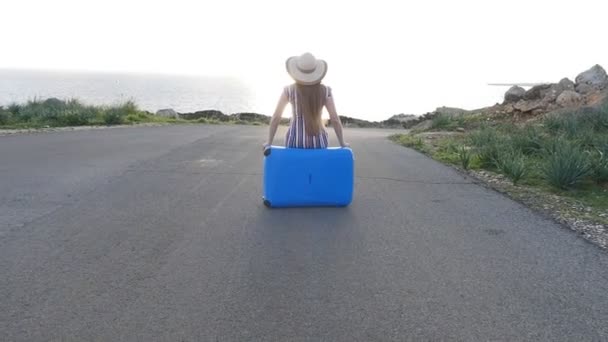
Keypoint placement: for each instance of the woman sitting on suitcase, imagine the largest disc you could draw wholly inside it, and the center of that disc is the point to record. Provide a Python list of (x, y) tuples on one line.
[(307, 97)]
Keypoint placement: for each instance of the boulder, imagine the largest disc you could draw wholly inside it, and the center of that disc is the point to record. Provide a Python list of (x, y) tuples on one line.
[(592, 79), (569, 98), (403, 117), (167, 113), (514, 94), (423, 126), (251, 117), (54, 102), (537, 92), (206, 114), (551, 94), (450, 111), (566, 84), (529, 106)]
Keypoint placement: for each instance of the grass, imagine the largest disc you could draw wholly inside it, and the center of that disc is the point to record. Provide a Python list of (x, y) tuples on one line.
[(61, 113), (57, 113), (512, 163), (563, 154), (566, 165), (408, 141), (465, 155)]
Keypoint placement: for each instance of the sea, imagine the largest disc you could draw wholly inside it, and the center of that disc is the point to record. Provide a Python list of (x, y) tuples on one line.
[(149, 91), (185, 94)]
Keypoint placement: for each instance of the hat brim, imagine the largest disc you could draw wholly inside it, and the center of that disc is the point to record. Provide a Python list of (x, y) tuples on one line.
[(313, 77)]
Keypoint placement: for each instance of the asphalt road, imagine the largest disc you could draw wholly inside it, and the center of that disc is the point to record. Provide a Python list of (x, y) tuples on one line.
[(160, 234)]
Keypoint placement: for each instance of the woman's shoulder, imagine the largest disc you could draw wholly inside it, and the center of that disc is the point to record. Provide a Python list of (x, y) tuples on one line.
[(327, 90), (288, 90)]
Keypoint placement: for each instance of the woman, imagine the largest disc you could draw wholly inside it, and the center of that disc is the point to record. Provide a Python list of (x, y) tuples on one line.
[(307, 97)]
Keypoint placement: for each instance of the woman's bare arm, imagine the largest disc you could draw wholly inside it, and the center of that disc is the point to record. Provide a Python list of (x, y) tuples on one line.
[(335, 120), (276, 118)]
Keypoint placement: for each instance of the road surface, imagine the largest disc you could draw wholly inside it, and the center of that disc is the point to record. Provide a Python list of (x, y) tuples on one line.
[(160, 234)]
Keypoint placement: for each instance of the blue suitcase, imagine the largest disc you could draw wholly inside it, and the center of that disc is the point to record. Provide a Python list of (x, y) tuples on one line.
[(308, 177)]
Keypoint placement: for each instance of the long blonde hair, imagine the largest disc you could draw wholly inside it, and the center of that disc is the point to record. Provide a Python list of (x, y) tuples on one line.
[(311, 99)]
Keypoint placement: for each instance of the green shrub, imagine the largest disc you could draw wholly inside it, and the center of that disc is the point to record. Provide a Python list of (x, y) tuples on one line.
[(465, 155), (553, 123), (14, 108), (566, 165), (484, 137), (512, 163), (441, 121), (408, 140), (72, 119), (489, 152), (599, 163), (529, 140), (569, 124), (599, 119), (133, 118), (5, 116), (113, 116), (55, 112)]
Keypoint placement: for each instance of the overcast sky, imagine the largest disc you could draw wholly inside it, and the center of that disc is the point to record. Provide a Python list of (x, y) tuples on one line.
[(384, 56)]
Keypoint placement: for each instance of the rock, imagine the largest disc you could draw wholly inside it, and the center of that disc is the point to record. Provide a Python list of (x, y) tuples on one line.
[(514, 94), (207, 114), (584, 88), (551, 94), (392, 123), (424, 125), (53, 102), (460, 129), (537, 92), (566, 84), (167, 113), (528, 106), (450, 111), (403, 117), (592, 79), (569, 98), (538, 111), (251, 117)]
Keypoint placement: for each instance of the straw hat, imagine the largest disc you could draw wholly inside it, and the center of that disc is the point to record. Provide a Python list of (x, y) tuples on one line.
[(306, 69)]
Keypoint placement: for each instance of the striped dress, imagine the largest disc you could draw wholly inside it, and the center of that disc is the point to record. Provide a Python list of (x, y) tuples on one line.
[(296, 134)]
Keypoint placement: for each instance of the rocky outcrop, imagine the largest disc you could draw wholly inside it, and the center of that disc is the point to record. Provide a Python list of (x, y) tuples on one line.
[(251, 117), (450, 111), (537, 92), (591, 80), (205, 114), (514, 94), (529, 106), (402, 117), (569, 98), (544, 98), (566, 84), (167, 113), (556, 89)]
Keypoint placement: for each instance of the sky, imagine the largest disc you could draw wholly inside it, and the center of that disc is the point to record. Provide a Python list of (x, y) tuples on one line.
[(385, 57)]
